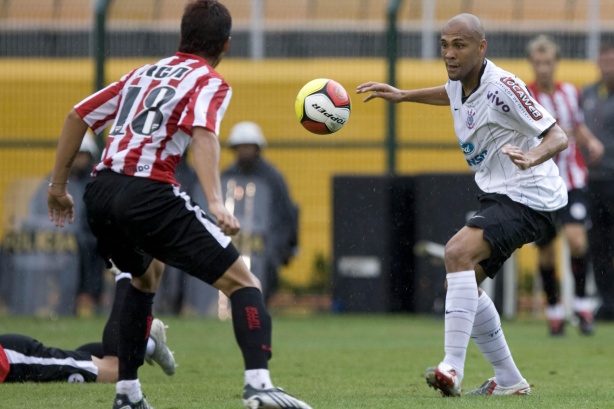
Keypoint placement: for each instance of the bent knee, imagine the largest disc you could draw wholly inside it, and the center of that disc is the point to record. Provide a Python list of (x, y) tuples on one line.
[(455, 253), (236, 277), (578, 247)]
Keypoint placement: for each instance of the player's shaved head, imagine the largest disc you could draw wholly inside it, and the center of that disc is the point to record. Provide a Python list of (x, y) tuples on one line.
[(466, 25)]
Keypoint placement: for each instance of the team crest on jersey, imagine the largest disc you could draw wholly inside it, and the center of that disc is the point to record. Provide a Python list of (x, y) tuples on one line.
[(467, 148), (523, 97), (470, 118)]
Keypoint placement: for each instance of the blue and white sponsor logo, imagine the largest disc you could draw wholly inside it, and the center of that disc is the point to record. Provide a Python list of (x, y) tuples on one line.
[(467, 148), (477, 159)]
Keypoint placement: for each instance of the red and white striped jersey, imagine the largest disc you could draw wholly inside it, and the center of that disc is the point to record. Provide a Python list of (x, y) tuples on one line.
[(154, 109), (564, 105)]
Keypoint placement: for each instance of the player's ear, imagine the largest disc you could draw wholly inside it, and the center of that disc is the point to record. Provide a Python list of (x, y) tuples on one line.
[(483, 45), (227, 44)]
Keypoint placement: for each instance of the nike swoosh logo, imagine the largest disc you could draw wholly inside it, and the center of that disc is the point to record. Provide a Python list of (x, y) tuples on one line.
[(451, 311)]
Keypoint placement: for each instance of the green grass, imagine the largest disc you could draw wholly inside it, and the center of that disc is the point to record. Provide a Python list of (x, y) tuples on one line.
[(331, 362)]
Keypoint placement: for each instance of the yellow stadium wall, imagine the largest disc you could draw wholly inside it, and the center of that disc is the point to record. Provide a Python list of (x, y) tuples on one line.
[(36, 94)]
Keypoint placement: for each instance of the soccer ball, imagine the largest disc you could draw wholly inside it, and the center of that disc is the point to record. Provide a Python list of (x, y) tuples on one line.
[(323, 106)]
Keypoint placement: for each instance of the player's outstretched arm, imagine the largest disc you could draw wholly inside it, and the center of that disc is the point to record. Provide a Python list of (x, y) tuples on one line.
[(432, 96), (553, 142)]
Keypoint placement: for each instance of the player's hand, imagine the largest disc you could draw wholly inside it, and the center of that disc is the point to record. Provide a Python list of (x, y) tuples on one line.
[(518, 157), (595, 150), (379, 90), (61, 208), (225, 220)]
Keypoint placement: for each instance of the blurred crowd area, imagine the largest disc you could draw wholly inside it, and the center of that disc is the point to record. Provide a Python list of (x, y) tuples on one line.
[(47, 64)]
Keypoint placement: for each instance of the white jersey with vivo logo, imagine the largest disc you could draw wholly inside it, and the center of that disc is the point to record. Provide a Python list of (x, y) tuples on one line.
[(499, 112)]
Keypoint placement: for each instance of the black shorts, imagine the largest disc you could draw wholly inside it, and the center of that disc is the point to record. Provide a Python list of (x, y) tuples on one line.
[(576, 211), (507, 226), (137, 219)]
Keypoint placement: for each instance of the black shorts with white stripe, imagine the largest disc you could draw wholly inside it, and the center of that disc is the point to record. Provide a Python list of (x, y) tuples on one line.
[(31, 361), (137, 219), (507, 226)]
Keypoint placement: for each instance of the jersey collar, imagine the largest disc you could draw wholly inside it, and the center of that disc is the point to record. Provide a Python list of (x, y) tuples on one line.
[(464, 98)]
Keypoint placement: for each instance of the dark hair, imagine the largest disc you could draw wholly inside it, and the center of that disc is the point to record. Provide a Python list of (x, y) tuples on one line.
[(205, 27)]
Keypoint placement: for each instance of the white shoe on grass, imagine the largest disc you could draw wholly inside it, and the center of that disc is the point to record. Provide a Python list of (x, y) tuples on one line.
[(271, 398), (490, 387), (444, 379), (161, 355)]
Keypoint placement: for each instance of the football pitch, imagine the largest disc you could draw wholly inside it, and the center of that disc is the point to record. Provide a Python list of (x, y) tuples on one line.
[(334, 361)]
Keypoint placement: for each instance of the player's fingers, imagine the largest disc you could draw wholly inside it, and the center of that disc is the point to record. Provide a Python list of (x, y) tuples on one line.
[(506, 148), (59, 218), (512, 151), (364, 87), (235, 227), (225, 224), (369, 97), (232, 226)]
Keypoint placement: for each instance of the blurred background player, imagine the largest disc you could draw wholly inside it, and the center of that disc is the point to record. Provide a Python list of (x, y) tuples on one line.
[(280, 213), (91, 266), (598, 108), (562, 101)]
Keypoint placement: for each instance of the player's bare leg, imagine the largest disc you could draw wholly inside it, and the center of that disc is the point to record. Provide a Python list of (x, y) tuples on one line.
[(107, 368), (252, 327)]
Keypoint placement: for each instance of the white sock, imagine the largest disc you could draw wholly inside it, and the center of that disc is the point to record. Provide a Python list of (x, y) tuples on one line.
[(132, 389), (582, 304), (151, 347), (258, 378), (461, 304), (555, 312), (488, 336)]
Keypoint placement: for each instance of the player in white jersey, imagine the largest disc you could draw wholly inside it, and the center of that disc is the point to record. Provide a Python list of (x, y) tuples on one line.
[(508, 140), (137, 212), (562, 100)]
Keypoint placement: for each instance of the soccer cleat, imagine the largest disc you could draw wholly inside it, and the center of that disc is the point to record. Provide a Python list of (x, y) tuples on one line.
[(443, 378), (490, 387), (122, 402), (161, 355), (270, 398), (586, 322), (557, 327)]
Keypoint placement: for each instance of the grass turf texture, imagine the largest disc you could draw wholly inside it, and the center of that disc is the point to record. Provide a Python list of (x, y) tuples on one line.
[(353, 361)]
